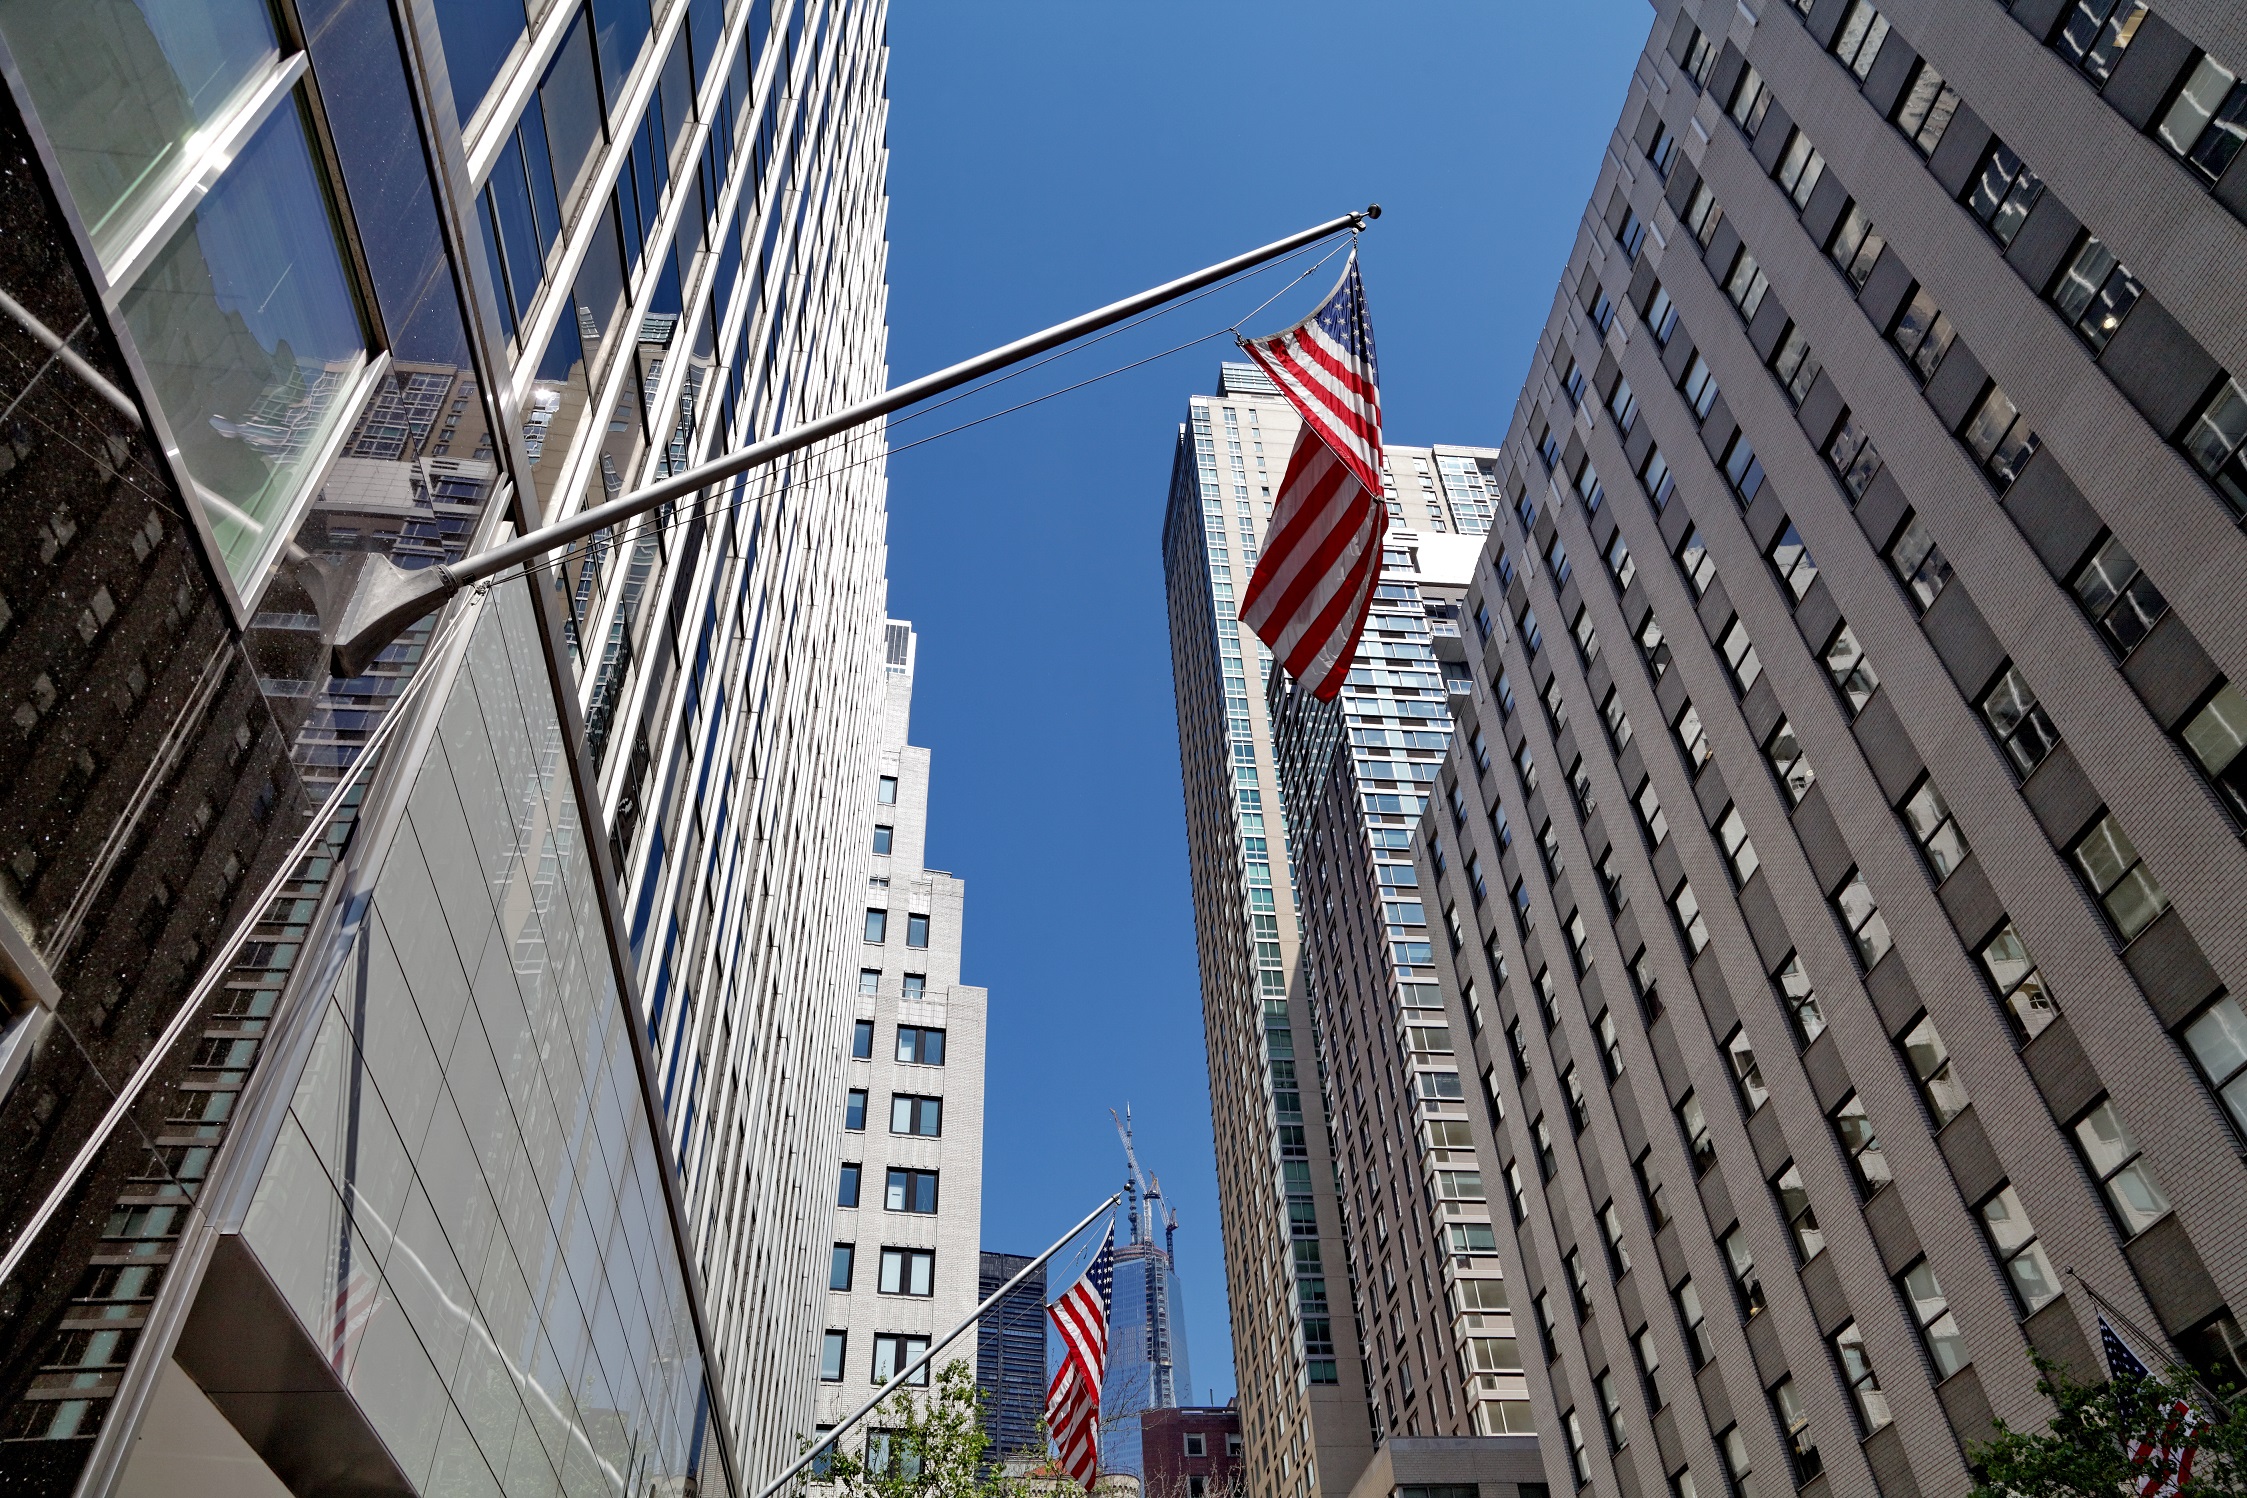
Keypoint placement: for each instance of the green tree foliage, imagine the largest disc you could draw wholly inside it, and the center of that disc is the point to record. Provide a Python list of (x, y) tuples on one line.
[(2086, 1450), (917, 1446)]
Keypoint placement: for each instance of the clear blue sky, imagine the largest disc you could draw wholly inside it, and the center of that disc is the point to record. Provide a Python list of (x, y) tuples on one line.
[(1047, 158)]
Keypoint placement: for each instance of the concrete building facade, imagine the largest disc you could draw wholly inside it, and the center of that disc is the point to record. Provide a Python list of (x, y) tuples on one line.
[(905, 1264), (1852, 880), (478, 1129), (1304, 1258)]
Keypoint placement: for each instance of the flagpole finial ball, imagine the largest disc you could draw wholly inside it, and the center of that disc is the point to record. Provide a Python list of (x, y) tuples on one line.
[(1373, 210)]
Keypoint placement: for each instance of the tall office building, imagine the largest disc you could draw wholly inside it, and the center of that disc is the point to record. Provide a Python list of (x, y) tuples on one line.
[(499, 1155), (1301, 1324), (1854, 787), (1010, 1357), (905, 1266), (1148, 1367)]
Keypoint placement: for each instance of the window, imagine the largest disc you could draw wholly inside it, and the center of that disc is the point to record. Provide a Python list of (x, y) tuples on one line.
[(1579, 1283), (833, 1346), (1694, 560), (1923, 334), (854, 1110), (1794, 1425), (1736, 1464), (1657, 1213), (1856, 46), (1652, 648), (1732, 832), (1696, 1126), (1745, 1073), (915, 985), (1703, 214), (1579, 1460), (1855, 247), (2095, 293), (2215, 735), (1548, 449), (2000, 438), (842, 1264), (1532, 638), (1655, 478), (1623, 406), (908, 1271), (916, 1115), (1517, 1199), (887, 794), (1687, 908), (910, 1191), (1929, 1062), (1802, 1219), (1739, 656), (1699, 385), (2209, 120), (1196, 1444), (1610, 879), (1611, 1405), (1691, 737), (847, 1196), (2020, 987), (877, 925), (1591, 492), (1603, 310), (1861, 918), (1700, 59), (1743, 470), (1619, 722), (2119, 596), (1650, 813), (1852, 674), (1938, 1328), (862, 1031), (2096, 32), (1611, 1048), (2127, 890), (1746, 1283), (1548, 1162), (1572, 383), (2002, 192), (1800, 999), (1934, 829), (1649, 1365), (1857, 1373), (1661, 316), (1503, 690), (893, 1353), (920, 1045), (916, 930), (2113, 1155), (1784, 753), (1791, 560), (2011, 710), (1579, 1107), (2215, 441), (1794, 364), (2218, 1042), (2014, 1238), (1926, 110), (1700, 1346), (1854, 1128), (1800, 168), (1853, 458), (1619, 562), (1751, 101), (1475, 877)]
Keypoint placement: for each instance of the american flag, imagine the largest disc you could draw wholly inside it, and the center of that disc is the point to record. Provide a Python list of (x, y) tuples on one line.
[(1322, 555), (1072, 1402), (2161, 1457)]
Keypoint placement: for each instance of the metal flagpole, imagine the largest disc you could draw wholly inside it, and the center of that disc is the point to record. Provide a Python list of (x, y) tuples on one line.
[(2152, 1343), (935, 1347), (366, 601)]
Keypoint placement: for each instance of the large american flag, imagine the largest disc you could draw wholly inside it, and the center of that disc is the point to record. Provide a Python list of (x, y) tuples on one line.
[(1322, 553), (2160, 1456), (1072, 1401)]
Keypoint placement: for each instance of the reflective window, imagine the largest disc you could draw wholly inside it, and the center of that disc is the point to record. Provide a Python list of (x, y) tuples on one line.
[(2020, 986), (2027, 1267), (1930, 1063), (2113, 1154), (477, 36), (251, 333), (1938, 1327)]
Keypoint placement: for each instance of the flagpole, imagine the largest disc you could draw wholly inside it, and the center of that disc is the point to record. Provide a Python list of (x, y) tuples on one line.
[(367, 601), (2109, 1308), (934, 1348)]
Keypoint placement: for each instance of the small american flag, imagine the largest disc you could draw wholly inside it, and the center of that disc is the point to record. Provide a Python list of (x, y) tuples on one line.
[(1072, 1403), (2161, 1457), (1314, 583)]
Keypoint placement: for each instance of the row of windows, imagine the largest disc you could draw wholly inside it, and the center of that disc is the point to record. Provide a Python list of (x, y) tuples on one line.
[(903, 1190), (908, 1113), (893, 1353), (904, 1271), (919, 1045), (877, 927)]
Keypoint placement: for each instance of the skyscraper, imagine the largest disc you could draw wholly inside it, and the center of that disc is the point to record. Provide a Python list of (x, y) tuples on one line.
[(1301, 1327), (1845, 849), (904, 1265), (1010, 1357), (1147, 1363), (503, 1142)]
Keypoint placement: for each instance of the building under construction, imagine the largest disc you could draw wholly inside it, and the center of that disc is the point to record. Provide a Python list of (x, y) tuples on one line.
[(1147, 1367)]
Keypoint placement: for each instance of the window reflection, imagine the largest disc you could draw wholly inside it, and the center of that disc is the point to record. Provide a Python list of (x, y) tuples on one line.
[(252, 336), (122, 87)]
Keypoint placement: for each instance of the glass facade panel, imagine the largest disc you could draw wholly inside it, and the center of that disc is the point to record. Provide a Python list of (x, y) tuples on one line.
[(468, 1171), (252, 336)]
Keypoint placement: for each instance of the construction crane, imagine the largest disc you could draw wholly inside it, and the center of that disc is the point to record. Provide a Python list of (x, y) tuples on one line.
[(1141, 1190)]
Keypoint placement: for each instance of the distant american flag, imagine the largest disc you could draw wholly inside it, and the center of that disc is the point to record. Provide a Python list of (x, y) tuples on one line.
[(1322, 554), (1072, 1405), (2160, 1457)]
